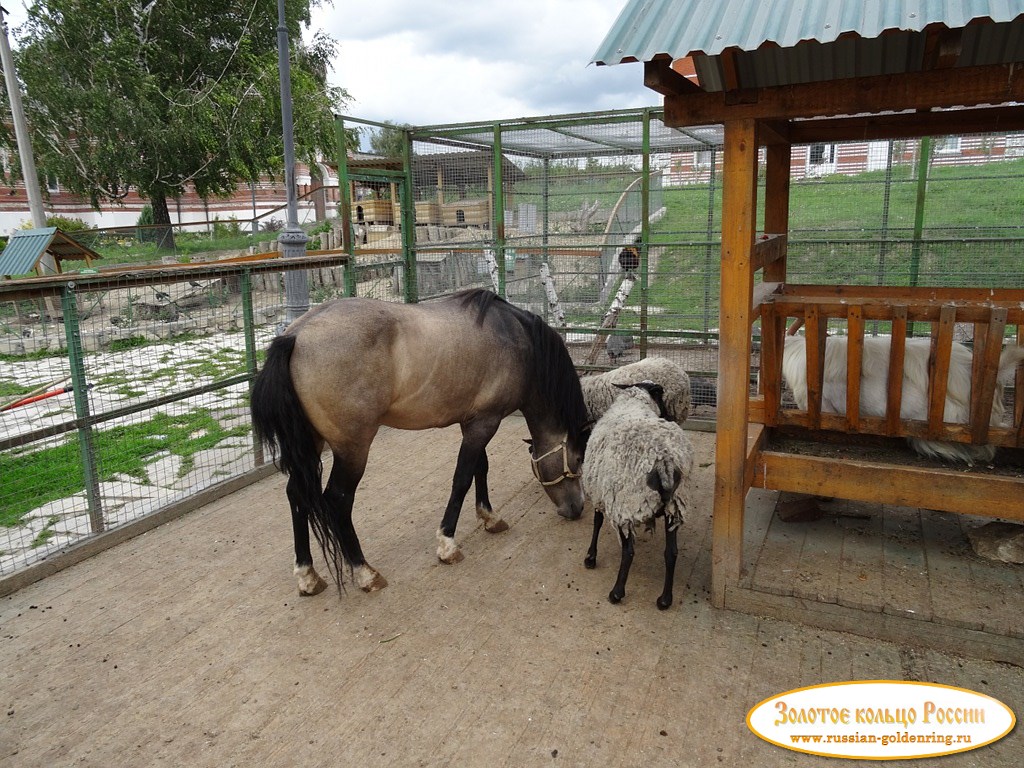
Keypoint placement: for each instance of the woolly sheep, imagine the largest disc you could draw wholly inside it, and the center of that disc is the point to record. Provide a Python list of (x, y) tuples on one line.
[(873, 387), (637, 468), (600, 390)]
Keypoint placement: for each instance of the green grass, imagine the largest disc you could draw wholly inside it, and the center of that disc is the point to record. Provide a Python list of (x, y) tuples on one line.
[(33, 479), (835, 235)]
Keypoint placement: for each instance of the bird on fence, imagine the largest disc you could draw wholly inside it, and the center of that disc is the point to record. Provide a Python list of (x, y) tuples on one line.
[(617, 346), (629, 256)]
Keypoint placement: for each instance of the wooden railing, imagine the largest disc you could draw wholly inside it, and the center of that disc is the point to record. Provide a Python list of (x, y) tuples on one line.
[(989, 311)]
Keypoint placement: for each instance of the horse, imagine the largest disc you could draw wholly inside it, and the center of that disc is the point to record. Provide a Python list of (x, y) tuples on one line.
[(349, 366)]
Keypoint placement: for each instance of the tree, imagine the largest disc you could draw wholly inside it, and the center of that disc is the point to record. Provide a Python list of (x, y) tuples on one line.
[(389, 141), (164, 95)]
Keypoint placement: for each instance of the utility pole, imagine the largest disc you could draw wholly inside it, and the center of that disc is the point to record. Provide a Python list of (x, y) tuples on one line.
[(292, 238), (28, 163)]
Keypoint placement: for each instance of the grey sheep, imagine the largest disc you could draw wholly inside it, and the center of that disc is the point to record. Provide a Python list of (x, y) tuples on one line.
[(638, 468), (600, 391)]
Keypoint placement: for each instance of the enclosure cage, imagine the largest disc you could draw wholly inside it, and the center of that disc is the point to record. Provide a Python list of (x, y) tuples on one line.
[(608, 224)]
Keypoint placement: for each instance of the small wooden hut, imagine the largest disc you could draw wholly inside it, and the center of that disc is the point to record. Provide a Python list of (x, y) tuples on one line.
[(777, 74)]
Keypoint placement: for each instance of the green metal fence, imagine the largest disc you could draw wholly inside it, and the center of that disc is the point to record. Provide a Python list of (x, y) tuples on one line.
[(607, 225)]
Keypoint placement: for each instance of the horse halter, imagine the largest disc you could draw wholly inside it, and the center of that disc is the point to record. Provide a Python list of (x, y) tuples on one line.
[(567, 474)]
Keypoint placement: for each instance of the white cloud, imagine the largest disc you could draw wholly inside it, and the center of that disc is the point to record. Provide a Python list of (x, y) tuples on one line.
[(464, 60), (423, 63)]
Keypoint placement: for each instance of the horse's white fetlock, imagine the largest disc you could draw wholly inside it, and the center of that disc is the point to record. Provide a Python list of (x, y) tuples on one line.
[(447, 550), (310, 582), (368, 579)]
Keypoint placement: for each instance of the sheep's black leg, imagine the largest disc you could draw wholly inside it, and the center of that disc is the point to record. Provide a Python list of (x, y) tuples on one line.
[(619, 590), (590, 561), (671, 551)]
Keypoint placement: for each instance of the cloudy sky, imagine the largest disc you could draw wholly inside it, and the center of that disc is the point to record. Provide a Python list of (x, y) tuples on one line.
[(424, 63), (461, 60)]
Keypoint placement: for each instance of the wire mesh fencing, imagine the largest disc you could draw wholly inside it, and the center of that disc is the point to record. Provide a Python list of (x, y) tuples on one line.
[(124, 394)]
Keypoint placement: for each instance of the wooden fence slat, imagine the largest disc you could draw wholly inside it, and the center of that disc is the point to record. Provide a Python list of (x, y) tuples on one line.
[(938, 369), (897, 354), (982, 396), (815, 346), (854, 364)]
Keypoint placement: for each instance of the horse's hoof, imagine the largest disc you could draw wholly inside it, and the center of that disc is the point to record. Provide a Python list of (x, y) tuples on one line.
[(615, 597), (447, 550), (310, 582), (453, 557), (663, 603), (590, 562), (498, 526), (376, 583)]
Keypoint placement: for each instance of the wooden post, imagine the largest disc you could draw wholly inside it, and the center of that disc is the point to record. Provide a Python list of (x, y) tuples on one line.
[(776, 204), (739, 218)]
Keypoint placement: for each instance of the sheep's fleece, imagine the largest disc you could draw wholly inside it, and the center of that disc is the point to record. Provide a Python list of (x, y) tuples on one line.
[(599, 391), (914, 405), (627, 444)]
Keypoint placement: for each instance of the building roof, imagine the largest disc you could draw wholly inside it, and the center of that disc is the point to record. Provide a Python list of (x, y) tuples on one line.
[(27, 246), (782, 42)]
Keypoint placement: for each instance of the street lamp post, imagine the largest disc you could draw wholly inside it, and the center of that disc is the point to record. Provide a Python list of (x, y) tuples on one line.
[(292, 238)]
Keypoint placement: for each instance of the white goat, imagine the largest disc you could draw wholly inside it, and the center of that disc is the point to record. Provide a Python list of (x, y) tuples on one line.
[(601, 390), (873, 387), (638, 468)]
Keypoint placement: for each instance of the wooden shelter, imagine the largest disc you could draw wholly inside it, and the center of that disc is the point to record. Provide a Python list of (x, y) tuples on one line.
[(775, 76), (27, 247)]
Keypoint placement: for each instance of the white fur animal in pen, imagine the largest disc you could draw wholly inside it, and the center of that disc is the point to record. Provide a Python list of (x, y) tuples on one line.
[(874, 391), (638, 467), (601, 390)]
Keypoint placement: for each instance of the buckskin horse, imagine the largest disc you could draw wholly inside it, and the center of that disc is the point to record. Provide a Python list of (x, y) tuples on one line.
[(347, 367)]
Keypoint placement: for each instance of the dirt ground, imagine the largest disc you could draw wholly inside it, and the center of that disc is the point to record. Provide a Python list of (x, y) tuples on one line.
[(189, 645)]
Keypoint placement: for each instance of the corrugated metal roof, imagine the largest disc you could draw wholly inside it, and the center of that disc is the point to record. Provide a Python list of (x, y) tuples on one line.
[(24, 249), (789, 41)]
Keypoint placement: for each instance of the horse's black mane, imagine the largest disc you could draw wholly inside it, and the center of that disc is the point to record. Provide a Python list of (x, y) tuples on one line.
[(554, 372)]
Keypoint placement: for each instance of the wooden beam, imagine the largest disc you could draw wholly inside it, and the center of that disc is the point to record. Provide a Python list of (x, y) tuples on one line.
[(659, 76), (739, 209), (946, 490), (768, 250), (906, 125), (958, 87)]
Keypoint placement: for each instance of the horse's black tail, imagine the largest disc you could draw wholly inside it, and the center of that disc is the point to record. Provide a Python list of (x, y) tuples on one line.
[(281, 423)]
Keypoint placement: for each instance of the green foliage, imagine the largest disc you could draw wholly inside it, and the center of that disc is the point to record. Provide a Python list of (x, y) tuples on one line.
[(390, 140), (169, 97)]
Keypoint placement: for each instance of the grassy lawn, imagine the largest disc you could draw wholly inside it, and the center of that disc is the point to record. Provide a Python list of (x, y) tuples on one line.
[(32, 479)]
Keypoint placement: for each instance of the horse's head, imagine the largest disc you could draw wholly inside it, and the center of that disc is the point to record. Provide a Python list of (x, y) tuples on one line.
[(557, 466)]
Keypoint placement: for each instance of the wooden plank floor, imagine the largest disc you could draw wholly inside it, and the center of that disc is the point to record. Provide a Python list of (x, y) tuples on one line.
[(909, 563), (188, 645)]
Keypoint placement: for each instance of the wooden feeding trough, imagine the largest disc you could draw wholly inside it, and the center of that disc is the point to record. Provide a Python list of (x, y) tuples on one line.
[(756, 84)]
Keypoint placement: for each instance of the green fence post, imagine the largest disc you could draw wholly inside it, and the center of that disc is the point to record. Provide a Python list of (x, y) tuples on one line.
[(645, 228), (87, 451), (412, 288), (249, 328), (345, 208), (922, 187)]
